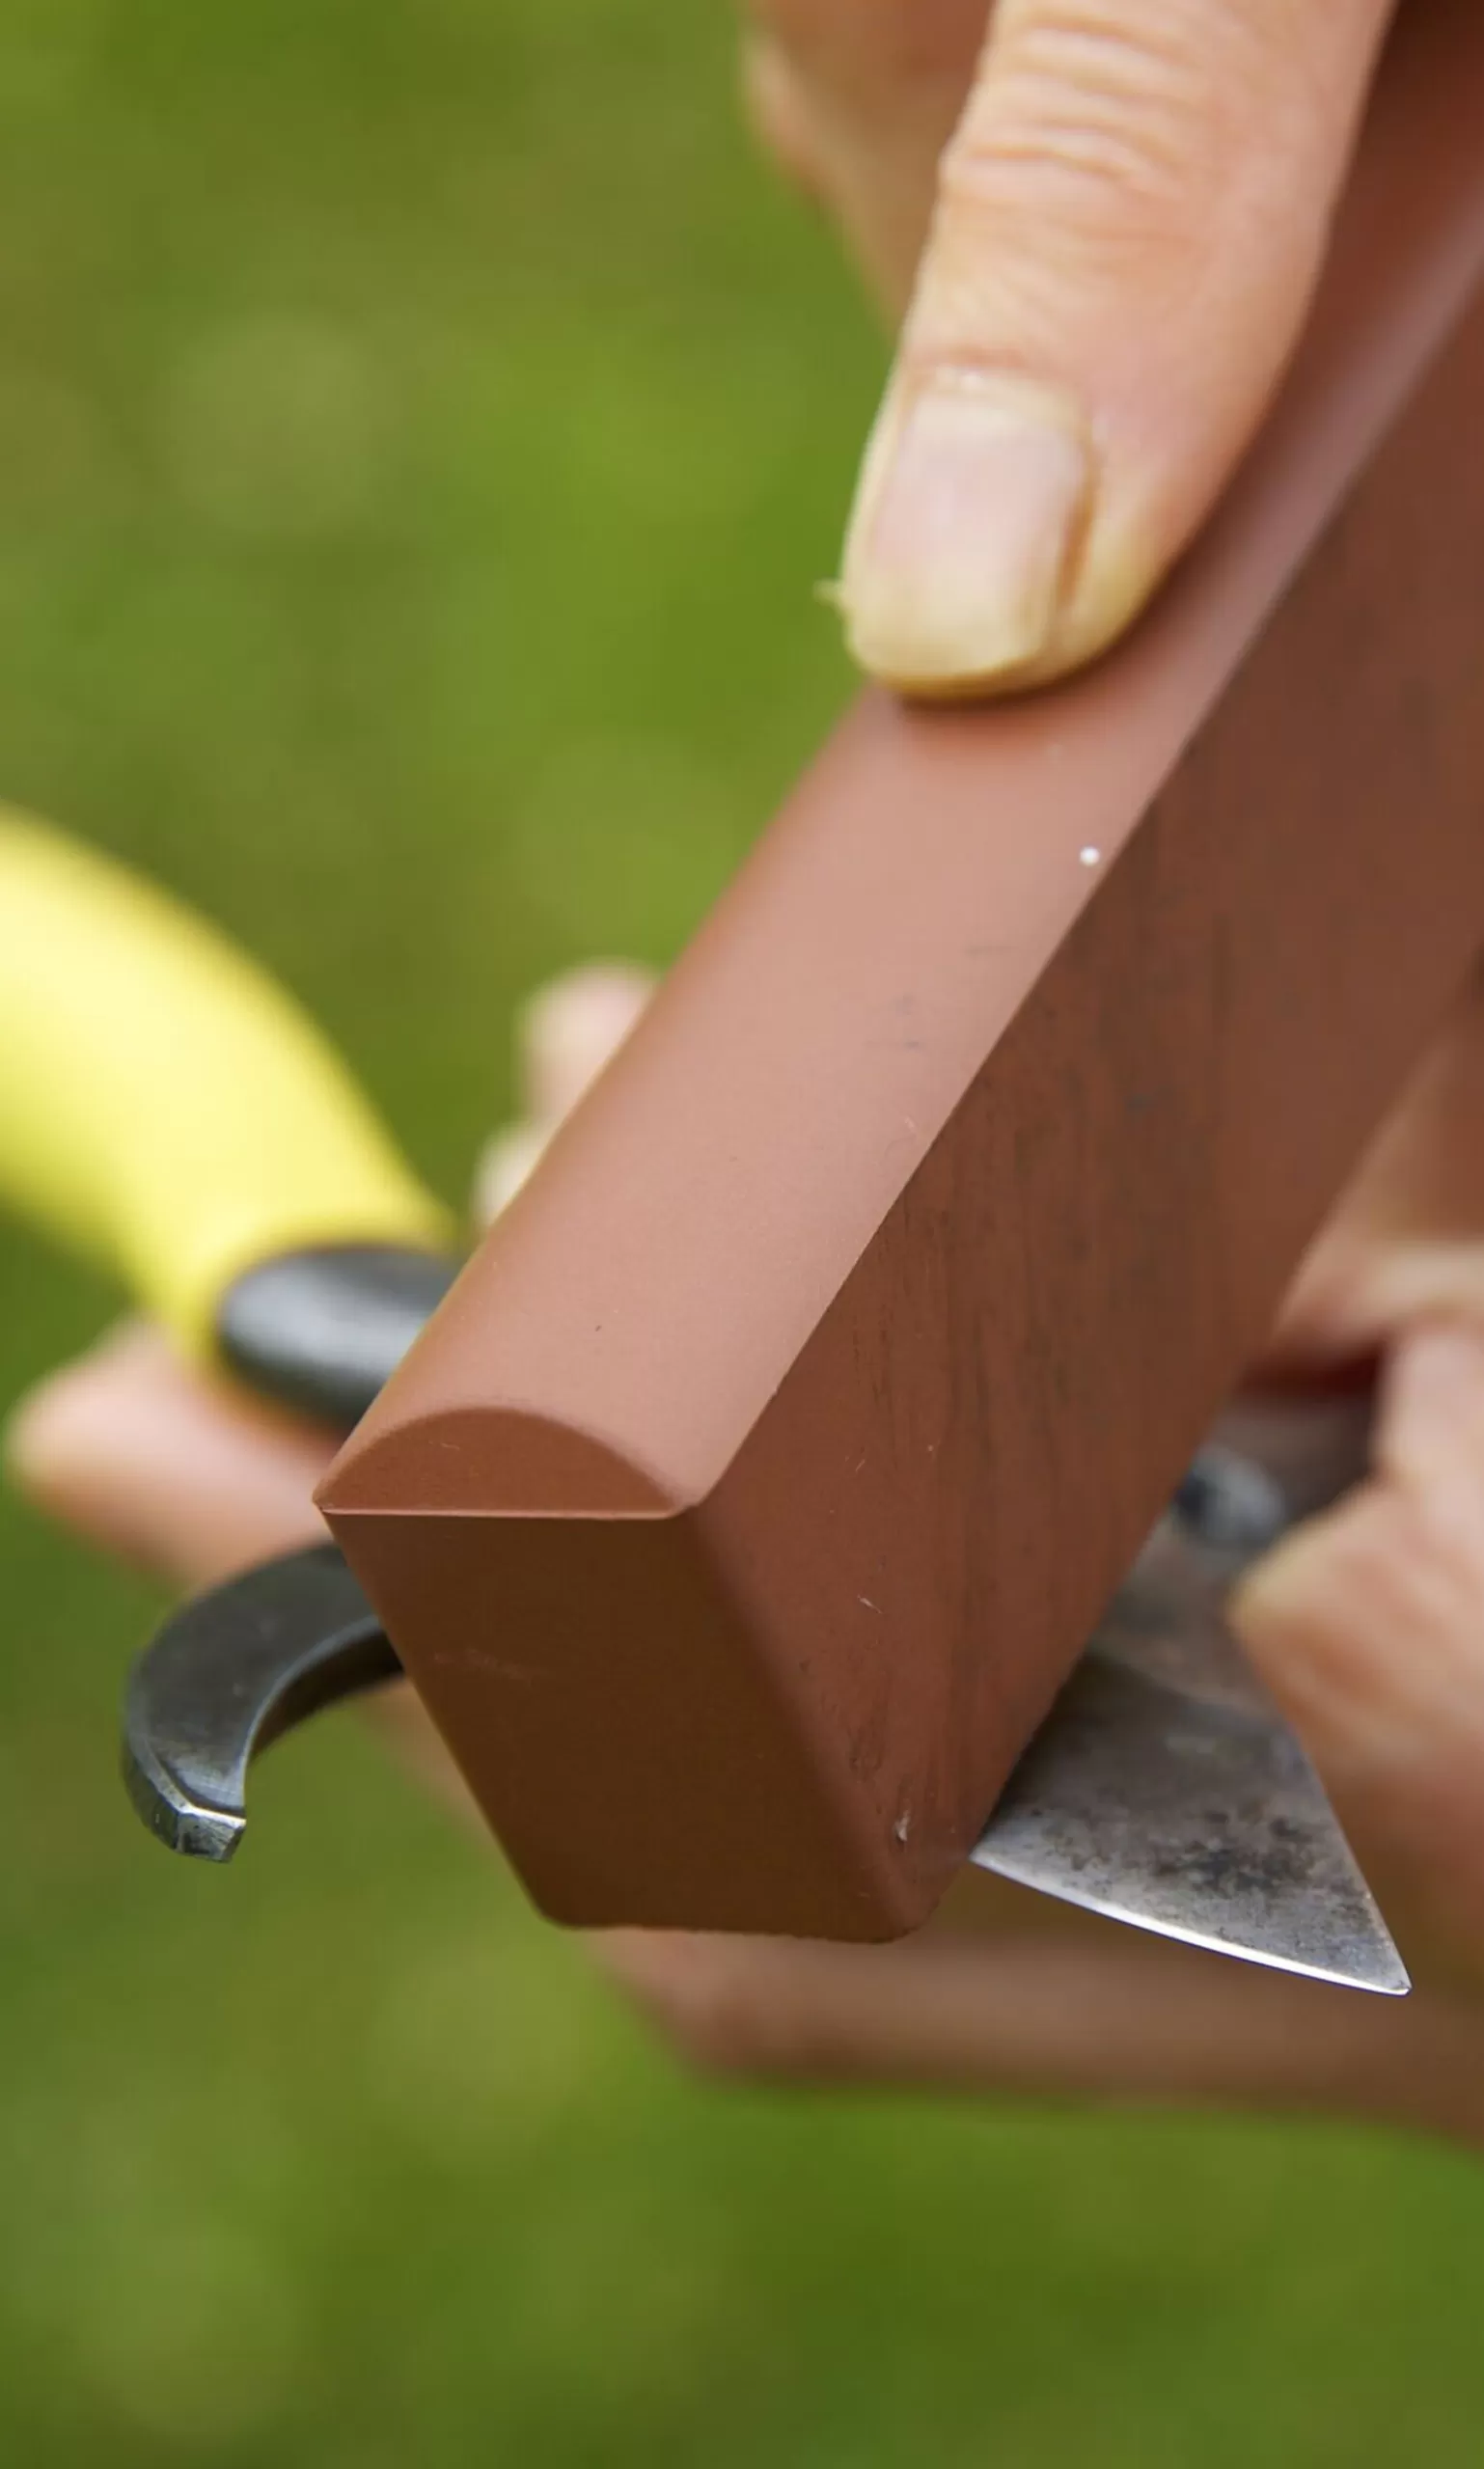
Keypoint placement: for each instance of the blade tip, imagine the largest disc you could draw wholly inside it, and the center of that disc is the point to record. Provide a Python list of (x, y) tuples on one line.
[(184, 1824)]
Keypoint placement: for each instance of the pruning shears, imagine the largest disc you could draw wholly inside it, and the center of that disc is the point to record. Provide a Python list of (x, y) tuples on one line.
[(169, 1110)]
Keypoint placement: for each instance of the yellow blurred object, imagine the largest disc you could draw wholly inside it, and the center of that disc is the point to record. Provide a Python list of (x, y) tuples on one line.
[(164, 1106)]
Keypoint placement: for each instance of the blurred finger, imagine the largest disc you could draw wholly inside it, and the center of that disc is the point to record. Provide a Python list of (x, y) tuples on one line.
[(571, 1027), (1132, 2023), (141, 1456), (856, 99), (1430, 1433), (565, 1033), (1368, 1625), (1407, 1238), (504, 1165)]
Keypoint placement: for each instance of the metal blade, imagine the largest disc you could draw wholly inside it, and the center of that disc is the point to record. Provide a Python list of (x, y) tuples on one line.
[(1166, 1790), (232, 1672)]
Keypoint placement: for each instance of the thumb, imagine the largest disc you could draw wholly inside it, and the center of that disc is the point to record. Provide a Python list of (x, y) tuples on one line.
[(1130, 219)]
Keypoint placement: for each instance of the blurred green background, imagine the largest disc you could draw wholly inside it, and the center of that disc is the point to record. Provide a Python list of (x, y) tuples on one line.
[(419, 428)]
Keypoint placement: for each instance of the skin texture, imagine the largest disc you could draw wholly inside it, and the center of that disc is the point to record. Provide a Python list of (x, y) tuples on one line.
[(1108, 152), (1125, 205)]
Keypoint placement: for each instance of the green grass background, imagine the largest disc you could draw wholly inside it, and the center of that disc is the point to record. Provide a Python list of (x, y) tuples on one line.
[(419, 428)]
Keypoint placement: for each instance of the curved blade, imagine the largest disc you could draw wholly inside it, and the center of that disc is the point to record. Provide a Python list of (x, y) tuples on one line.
[(1165, 1789), (1193, 1816), (232, 1672)]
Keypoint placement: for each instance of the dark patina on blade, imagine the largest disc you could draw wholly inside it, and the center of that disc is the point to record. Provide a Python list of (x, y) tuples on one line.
[(228, 1674), (1166, 1790)]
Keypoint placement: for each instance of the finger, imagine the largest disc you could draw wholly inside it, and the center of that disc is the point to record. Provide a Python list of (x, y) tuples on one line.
[(143, 1457), (1130, 219), (1368, 1625), (1356, 1291), (504, 1165), (145, 1460), (856, 99), (1407, 1239), (571, 1027), (1431, 1435), (779, 108), (565, 1034), (1138, 2022)]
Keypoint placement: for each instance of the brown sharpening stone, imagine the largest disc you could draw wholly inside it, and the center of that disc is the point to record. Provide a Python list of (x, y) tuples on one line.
[(741, 1510)]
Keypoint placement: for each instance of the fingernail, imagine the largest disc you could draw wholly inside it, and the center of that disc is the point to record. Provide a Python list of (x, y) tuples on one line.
[(973, 497)]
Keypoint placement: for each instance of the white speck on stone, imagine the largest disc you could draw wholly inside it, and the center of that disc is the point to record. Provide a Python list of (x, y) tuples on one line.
[(1089, 857), (870, 1606), (903, 1826)]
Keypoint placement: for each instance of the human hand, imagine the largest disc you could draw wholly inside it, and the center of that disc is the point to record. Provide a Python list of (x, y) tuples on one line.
[(1126, 206), (1368, 1627)]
